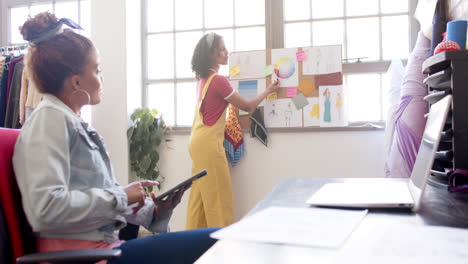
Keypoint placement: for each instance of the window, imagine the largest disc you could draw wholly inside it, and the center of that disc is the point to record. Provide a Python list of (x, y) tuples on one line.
[(173, 28), (371, 32), (77, 10)]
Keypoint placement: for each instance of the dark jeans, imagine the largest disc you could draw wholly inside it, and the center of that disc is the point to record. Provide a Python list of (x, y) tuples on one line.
[(176, 247)]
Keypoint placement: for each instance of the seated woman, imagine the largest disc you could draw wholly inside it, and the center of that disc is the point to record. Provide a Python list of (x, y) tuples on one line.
[(69, 193)]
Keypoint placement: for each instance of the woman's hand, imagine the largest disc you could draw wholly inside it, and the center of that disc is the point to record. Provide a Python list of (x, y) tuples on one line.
[(136, 192), (163, 208), (274, 87)]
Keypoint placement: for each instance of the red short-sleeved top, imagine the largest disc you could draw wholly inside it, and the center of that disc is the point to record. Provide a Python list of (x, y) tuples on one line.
[(215, 102)]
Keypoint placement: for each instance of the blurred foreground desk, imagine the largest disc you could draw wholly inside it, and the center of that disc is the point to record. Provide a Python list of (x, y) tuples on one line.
[(438, 207)]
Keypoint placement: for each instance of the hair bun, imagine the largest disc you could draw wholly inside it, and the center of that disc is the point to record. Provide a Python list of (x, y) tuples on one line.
[(34, 27)]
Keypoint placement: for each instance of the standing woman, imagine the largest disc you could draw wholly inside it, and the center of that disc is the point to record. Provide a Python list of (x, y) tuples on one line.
[(211, 198)]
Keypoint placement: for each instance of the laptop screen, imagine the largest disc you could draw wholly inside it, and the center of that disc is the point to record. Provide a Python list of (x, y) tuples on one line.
[(429, 144)]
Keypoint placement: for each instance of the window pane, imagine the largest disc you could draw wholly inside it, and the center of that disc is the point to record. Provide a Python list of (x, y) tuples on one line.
[(160, 15), (160, 56), (186, 101), (327, 32), (161, 97), (36, 9), (228, 36), (395, 37), (364, 97), (327, 8), (85, 17), (297, 35), (296, 9), (393, 6), (363, 38), (188, 14), (219, 13), (18, 17), (250, 38), (185, 44), (362, 7), (67, 9), (250, 12), (386, 94)]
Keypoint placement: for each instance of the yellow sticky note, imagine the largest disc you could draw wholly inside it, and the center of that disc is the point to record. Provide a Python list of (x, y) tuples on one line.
[(234, 70), (268, 70), (306, 87), (272, 96)]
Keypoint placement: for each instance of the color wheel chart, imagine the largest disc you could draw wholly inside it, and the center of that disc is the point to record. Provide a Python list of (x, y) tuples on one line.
[(284, 68)]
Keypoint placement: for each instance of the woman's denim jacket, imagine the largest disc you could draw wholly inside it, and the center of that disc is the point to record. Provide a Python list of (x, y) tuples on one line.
[(66, 179)]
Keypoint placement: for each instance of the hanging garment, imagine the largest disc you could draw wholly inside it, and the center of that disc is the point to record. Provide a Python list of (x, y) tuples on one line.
[(3, 91), (257, 127), (211, 198), (12, 110), (30, 96), (233, 140)]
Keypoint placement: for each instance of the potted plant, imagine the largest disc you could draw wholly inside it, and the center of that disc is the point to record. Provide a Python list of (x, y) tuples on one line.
[(146, 133)]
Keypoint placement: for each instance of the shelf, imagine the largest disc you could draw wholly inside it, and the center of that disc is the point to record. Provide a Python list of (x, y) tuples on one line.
[(441, 61), (440, 80)]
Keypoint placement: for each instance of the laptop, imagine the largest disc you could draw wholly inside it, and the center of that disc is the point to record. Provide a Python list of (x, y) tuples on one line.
[(388, 193)]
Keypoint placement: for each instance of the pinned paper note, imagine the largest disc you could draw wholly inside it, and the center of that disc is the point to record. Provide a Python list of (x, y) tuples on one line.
[(306, 87), (301, 55), (292, 91), (272, 96), (300, 101), (250, 63), (268, 70), (248, 89), (311, 112), (282, 113), (234, 70)]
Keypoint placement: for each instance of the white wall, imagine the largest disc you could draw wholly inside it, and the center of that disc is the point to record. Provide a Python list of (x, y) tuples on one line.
[(108, 31), (298, 154)]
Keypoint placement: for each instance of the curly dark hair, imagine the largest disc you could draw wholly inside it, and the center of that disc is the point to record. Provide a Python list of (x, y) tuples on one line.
[(55, 59), (202, 54)]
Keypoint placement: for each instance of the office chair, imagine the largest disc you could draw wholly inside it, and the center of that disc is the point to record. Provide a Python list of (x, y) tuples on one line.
[(18, 238)]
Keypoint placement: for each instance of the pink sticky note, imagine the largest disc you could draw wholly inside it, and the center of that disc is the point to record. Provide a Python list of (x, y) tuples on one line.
[(301, 55), (292, 92)]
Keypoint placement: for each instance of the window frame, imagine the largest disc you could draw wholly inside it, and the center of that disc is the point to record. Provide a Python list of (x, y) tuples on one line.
[(7, 5), (22, 3), (274, 38), (175, 80)]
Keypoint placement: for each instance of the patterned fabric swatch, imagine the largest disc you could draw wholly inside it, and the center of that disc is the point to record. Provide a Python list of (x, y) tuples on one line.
[(233, 140)]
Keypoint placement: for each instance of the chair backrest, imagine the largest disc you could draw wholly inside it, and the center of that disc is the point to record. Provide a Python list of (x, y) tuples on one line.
[(21, 236)]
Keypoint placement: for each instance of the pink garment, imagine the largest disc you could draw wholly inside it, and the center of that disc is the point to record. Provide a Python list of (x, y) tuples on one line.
[(409, 117), (215, 102), (57, 244)]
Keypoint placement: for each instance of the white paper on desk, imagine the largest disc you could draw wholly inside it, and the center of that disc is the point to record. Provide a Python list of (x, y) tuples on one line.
[(316, 227), (409, 244)]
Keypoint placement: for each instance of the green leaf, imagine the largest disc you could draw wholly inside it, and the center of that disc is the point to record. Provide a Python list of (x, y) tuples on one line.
[(130, 133), (144, 137)]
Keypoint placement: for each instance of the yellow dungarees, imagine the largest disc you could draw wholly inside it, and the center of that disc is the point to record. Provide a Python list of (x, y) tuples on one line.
[(211, 198)]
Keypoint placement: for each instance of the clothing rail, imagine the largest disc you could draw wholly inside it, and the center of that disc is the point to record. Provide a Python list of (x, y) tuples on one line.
[(13, 47)]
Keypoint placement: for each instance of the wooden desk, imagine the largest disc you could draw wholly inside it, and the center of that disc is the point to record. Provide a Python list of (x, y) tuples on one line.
[(438, 207)]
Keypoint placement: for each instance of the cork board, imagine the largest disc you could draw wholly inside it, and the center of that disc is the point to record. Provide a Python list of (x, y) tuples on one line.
[(317, 72)]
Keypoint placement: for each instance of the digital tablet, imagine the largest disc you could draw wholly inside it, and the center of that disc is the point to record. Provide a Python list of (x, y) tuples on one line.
[(183, 184)]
